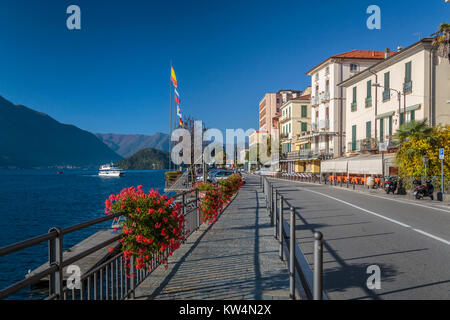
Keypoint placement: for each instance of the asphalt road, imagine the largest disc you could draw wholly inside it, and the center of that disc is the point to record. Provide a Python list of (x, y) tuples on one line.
[(408, 240)]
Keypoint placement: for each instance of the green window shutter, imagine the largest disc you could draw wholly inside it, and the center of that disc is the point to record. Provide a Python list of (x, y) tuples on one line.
[(402, 118), (369, 89), (354, 94), (413, 116), (390, 125), (408, 72), (354, 137), (381, 129), (304, 111), (368, 129), (304, 126), (386, 81)]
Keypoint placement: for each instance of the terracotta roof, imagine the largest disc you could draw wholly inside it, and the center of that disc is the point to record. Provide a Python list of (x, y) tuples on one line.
[(305, 97), (357, 54)]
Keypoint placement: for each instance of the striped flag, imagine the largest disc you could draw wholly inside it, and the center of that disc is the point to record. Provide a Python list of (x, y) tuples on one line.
[(181, 123), (179, 112), (173, 77), (177, 96)]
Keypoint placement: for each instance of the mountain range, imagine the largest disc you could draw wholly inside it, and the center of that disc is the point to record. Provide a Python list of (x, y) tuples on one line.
[(34, 139), (127, 145)]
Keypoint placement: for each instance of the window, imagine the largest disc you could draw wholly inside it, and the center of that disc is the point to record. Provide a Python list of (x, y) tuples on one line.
[(369, 94), (304, 111), (368, 129), (353, 67), (327, 70), (407, 86), (290, 128), (413, 116), (381, 130), (390, 125), (304, 127), (387, 90), (354, 99), (354, 137), (317, 76)]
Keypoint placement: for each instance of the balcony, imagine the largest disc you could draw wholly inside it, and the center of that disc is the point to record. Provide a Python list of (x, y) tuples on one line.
[(305, 155), (368, 102), (284, 136), (367, 145), (324, 124), (353, 106), (386, 95), (407, 87), (315, 101), (285, 118)]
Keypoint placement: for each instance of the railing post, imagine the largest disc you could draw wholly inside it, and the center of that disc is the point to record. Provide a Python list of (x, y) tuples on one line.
[(271, 206), (132, 279), (318, 265), (55, 257), (281, 238), (197, 205), (292, 255), (275, 229)]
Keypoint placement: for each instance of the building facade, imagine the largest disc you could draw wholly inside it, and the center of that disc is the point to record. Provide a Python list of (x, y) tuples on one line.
[(413, 84), (328, 100)]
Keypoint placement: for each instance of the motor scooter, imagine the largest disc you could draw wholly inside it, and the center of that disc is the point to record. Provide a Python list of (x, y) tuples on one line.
[(423, 190), (391, 185)]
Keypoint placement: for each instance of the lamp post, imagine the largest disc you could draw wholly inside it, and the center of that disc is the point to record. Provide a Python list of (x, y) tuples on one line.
[(399, 97)]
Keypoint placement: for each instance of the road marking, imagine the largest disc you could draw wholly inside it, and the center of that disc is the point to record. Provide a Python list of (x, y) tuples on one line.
[(362, 209), (380, 216), (432, 236), (373, 195), (405, 202)]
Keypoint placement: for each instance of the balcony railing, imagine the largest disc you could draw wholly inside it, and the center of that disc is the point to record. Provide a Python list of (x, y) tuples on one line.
[(386, 95), (284, 136), (314, 101), (407, 87), (367, 145), (353, 106), (368, 102), (286, 117), (305, 155)]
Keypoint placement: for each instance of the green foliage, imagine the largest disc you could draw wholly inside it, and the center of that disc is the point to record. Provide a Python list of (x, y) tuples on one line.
[(409, 157), (146, 159)]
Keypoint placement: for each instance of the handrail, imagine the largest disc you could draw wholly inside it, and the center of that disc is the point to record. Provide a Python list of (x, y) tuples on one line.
[(311, 281), (102, 274)]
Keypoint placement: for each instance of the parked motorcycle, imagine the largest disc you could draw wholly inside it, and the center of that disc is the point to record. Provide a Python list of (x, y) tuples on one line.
[(391, 185), (423, 190)]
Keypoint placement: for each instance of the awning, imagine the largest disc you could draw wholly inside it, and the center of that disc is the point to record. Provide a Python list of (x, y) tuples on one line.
[(385, 115), (356, 165)]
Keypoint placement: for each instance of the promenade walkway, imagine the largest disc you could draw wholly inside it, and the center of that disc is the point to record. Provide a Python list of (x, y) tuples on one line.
[(235, 258)]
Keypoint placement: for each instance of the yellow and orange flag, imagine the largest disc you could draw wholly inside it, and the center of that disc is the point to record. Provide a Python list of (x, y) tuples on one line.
[(173, 77)]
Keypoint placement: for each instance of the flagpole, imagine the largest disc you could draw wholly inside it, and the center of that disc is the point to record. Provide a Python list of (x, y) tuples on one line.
[(170, 107)]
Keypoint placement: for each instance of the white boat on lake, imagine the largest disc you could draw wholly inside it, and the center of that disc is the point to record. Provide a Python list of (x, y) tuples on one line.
[(109, 170)]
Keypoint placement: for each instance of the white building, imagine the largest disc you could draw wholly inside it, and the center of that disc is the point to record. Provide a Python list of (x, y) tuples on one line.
[(327, 99), (413, 81)]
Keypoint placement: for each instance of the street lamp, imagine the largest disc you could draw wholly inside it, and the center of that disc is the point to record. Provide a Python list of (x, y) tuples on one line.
[(399, 95)]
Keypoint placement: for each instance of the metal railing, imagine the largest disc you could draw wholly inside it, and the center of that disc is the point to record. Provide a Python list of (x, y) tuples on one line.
[(110, 280), (300, 273)]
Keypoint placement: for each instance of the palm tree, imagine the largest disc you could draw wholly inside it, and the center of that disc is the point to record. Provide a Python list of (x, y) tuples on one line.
[(441, 41), (416, 129)]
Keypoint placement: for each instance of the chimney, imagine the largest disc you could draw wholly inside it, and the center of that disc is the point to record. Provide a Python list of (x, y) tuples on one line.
[(387, 53), (399, 48)]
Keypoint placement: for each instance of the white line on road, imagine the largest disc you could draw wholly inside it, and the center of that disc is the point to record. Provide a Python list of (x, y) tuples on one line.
[(432, 236), (362, 209), (380, 216)]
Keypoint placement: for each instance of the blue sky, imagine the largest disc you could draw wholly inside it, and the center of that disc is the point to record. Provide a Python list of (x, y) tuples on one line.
[(113, 75)]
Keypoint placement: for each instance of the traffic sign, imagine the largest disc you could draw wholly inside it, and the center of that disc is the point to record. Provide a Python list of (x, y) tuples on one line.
[(441, 154)]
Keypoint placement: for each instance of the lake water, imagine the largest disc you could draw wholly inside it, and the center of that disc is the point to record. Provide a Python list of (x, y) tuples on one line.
[(33, 201)]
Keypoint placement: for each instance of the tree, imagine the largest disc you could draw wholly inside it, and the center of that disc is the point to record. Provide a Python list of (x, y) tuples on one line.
[(413, 129), (441, 40), (409, 157)]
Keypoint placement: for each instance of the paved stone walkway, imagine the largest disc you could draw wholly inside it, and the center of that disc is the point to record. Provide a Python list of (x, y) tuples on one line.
[(235, 258)]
